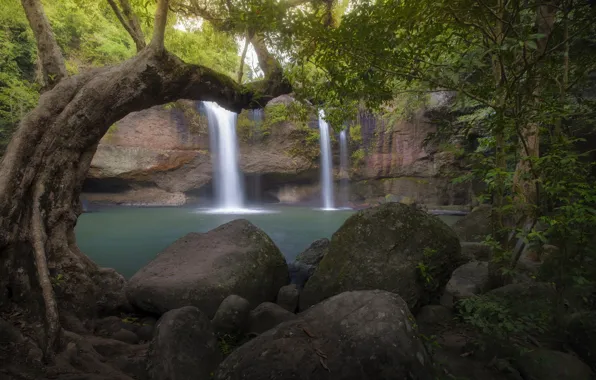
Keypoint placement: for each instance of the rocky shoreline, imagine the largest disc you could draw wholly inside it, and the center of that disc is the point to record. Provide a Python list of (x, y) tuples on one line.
[(379, 300)]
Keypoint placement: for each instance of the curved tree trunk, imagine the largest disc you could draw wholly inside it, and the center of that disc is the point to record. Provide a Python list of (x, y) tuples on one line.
[(42, 172)]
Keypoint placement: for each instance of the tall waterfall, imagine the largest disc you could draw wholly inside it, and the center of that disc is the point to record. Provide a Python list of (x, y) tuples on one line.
[(344, 175), (257, 136), (326, 163), (228, 184)]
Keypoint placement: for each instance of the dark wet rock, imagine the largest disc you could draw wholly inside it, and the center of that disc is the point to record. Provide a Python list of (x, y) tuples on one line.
[(288, 297), (266, 316), (232, 315), (112, 297), (108, 326), (581, 335), (476, 251), (545, 364), (126, 336), (145, 332), (362, 335), (384, 248), (300, 273), (184, 346), (475, 226), (466, 281), (203, 269), (314, 253), (434, 315)]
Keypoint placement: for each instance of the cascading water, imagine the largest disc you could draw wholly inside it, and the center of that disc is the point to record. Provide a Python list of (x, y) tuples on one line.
[(344, 175), (326, 173), (228, 184)]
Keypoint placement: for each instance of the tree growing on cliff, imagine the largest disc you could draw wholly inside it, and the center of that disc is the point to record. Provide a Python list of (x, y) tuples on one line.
[(47, 160)]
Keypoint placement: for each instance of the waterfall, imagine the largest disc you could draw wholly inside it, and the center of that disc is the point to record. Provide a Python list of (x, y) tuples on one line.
[(326, 164), (228, 184), (344, 174)]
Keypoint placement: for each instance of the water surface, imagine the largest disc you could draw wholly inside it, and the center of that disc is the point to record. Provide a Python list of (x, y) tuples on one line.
[(127, 238)]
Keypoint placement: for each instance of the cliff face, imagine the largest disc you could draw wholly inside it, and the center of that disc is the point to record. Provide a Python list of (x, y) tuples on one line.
[(160, 156)]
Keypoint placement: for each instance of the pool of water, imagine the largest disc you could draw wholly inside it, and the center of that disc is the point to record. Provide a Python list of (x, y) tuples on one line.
[(127, 238)]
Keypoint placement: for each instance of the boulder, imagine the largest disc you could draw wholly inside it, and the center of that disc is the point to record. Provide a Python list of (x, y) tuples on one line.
[(266, 316), (434, 315), (232, 315), (393, 247), (300, 273), (474, 226), (581, 335), (545, 364), (126, 336), (476, 251), (288, 297), (203, 269), (184, 346), (363, 335), (314, 253), (111, 294), (466, 281)]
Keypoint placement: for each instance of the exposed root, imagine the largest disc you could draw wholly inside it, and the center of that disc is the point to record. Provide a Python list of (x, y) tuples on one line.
[(51, 307)]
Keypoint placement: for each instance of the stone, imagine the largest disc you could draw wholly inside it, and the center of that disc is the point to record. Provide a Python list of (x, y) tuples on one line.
[(434, 315), (145, 332), (581, 335), (361, 335), (466, 281), (108, 326), (300, 273), (385, 248), (9, 334), (475, 226), (288, 297), (203, 269), (476, 251), (232, 315), (111, 292), (543, 364), (184, 346), (126, 336), (314, 253), (266, 316)]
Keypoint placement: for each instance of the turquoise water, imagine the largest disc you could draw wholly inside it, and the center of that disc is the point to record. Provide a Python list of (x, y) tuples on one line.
[(127, 238)]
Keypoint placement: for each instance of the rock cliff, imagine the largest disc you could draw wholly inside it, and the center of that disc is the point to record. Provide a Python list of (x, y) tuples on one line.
[(160, 156)]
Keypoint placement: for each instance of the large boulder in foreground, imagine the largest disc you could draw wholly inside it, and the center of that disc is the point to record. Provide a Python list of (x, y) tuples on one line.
[(466, 281), (364, 335), (545, 364), (475, 226), (393, 247), (183, 347), (203, 269)]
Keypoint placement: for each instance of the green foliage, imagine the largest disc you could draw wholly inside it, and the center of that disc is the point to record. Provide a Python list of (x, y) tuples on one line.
[(306, 143), (496, 319), (425, 269), (358, 157)]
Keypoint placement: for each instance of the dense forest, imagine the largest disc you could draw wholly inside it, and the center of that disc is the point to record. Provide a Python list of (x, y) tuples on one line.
[(520, 77)]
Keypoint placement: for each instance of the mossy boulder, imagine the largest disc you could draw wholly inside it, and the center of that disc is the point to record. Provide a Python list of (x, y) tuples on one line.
[(581, 335), (475, 226), (201, 270), (545, 364), (393, 247)]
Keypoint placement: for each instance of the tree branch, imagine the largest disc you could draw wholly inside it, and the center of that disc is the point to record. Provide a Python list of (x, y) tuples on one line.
[(131, 23), (52, 61), (243, 57), (159, 28)]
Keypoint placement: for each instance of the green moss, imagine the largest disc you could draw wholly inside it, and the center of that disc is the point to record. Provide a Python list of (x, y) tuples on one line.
[(306, 143), (111, 132)]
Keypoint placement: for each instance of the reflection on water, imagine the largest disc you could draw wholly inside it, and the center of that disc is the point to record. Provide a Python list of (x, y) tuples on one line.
[(127, 238)]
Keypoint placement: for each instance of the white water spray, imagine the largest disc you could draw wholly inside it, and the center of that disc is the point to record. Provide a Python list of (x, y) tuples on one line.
[(228, 184), (326, 164)]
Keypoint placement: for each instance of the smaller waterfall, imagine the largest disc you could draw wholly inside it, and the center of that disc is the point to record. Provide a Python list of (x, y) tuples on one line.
[(344, 175), (326, 163), (228, 186)]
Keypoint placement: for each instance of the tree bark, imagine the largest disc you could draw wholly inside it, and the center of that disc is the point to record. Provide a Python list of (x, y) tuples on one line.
[(52, 62), (130, 22)]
